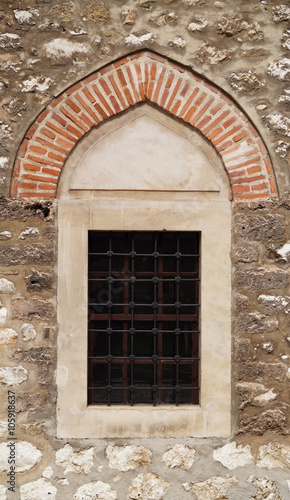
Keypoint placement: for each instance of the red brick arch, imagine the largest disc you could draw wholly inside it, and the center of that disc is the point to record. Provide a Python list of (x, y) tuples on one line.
[(134, 79)]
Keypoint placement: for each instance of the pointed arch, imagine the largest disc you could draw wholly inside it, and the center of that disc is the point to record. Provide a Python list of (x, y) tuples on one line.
[(138, 78)]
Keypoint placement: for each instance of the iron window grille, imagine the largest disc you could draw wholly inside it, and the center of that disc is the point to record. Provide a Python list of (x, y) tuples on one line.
[(143, 317)]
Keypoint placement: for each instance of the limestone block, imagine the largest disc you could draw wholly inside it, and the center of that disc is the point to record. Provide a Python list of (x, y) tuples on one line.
[(3, 492), (241, 301), (281, 13), (280, 69), (246, 253), (275, 302), (7, 336), (239, 29), (6, 286), (260, 371), (10, 41), (97, 14), (178, 42), (5, 235), (254, 394), (270, 420), (262, 279), (125, 458), (61, 50), (12, 375), (39, 355), (283, 253), (26, 17), (282, 148), (136, 40), (26, 254), (266, 489), (3, 315), (232, 456), (198, 24), (214, 488), (27, 456), (29, 231), (79, 462), (26, 400), (28, 332), (37, 490), (37, 281), (32, 429), (167, 18), (257, 323), (273, 455), (179, 455), (128, 16), (260, 227), (94, 490), (278, 122), (211, 54), (28, 309), (148, 486), (246, 81), (47, 473)]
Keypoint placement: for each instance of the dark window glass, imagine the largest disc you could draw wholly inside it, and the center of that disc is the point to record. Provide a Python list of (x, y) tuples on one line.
[(143, 317)]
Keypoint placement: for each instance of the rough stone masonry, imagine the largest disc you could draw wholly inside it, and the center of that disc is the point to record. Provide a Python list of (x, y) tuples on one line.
[(242, 47)]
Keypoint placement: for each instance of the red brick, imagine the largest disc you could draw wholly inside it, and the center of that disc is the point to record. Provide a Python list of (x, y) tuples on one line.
[(118, 92), (150, 90), (72, 89), (37, 195), (14, 188), (28, 166), (230, 122), (43, 115), (51, 145), (37, 149), (158, 86), (244, 163), (23, 148), (188, 102), (87, 107), (273, 185), (249, 179), (74, 131), (268, 165), (251, 195), (216, 121), (189, 114), (175, 107), (88, 95), (59, 158), (122, 78), (240, 136), (31, 131), (136, 95), (146, 82), (115, 104), (56, 101), (105, 86), (155, 57), (169, 80), (227, 134), (201, 98), (202, 111), (216, 132), (217, 107), (121, 62), (103, 100), (240, 189), (27, 185), (87, 120), (75, 120), (224, 146), (254, 170), (51, 171), (40, 178), (42, 161), (239, 173), (48, 187), (47, 133), (153, 71), (59, 119), (106, 69), (203, 122), (164, 97), (90, 78), (61, 132), (173, 94), (16, 168), (260, 187), (136, 56), (252, 130), (128, 96), (185, 89), (262, 147), (65, 143)]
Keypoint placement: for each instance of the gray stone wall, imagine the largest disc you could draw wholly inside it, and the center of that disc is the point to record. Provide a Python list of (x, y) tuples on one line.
[(243, 47)]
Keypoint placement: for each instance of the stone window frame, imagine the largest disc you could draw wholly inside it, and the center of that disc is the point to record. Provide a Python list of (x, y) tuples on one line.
[(79, 212)]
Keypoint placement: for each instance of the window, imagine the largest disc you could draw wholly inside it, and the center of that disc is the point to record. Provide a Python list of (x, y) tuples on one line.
[(194, 202), (143, 317)]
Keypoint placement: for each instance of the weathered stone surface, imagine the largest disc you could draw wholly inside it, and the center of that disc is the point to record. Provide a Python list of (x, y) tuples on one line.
[(28, 332), (232, 456), (257, 323), (198, 24), (215, 488), (242, 302), (5, 235), (39, 355), (38, 489), (266, 489), (44, 375), (128, 16), (167, 18), (211, 54), (29, 232), (63, 11), (94, 490), (280, 69), (283, 254), (261, 371), (278, 123), (14, 209), (148, 486), (262, 279), (3, 428), (26, 254), (273, 455), (3, 314), (246, 253), (260, 227), (275, 302), (15, 375), (79, 462), (254, 394), (125, 458), (243, 350), (34, 308), (7, 336), (268, 347), (3, 492), (281, 13), (60, 50), (282, 148), (246, 81), (178, 42), (10, 41), (6, 286), (146, 4), (26, 17), (27, 401), (138, 40), (27, 456), (97, 14), (32, 429), (270, 420), (240, 29), (38, 280), (48, 472), (179, 456)]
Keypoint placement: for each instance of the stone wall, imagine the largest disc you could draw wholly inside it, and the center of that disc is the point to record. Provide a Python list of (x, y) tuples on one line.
[(242, 47)]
